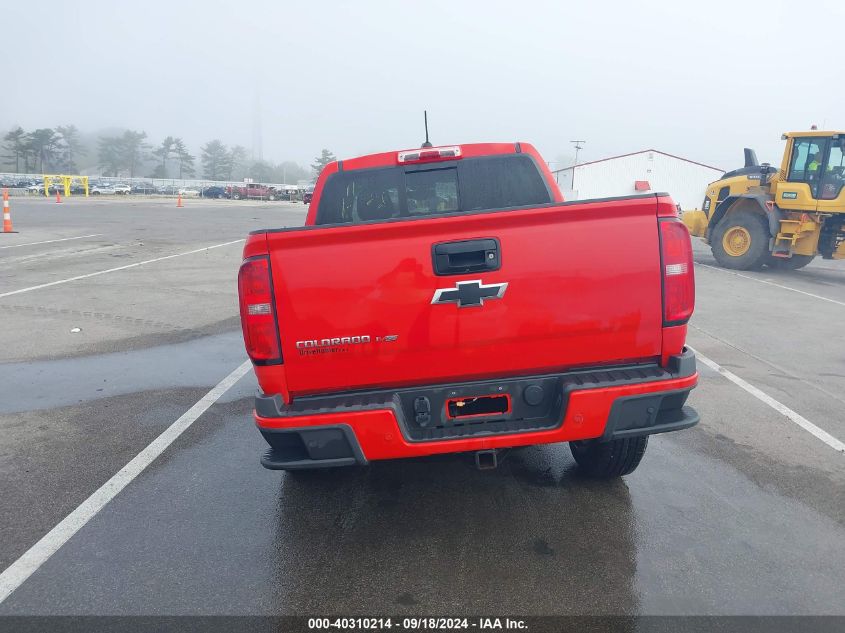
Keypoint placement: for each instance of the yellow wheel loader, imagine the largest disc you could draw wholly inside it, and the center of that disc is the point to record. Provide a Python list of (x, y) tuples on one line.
[(760, 215)]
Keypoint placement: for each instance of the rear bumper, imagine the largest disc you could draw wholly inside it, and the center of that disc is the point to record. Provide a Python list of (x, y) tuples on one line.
[(349, 429)]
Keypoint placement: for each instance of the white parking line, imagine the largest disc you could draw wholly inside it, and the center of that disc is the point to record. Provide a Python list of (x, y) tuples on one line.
[(111, 270), (772, 283), (64, 239), (15, 575), (781, 408)]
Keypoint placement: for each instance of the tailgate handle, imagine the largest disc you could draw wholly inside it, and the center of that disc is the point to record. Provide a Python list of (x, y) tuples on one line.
[(467, 256)]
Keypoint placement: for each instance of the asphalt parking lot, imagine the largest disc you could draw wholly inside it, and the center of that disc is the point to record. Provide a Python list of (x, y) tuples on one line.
[(119, 316)]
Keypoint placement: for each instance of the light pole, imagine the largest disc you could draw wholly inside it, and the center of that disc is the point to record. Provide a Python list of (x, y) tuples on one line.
[(579, 145)]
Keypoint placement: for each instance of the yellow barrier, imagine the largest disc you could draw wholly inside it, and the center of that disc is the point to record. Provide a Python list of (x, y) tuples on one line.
[(64, 180)]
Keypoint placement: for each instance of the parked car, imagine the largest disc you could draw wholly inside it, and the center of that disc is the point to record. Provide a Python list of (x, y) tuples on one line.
[(39, 188), (143, 188), (167, 190), (102, 189), (307, 196), (213, 192), (189, 192), (464, 308), (122, 189), (253, 191)]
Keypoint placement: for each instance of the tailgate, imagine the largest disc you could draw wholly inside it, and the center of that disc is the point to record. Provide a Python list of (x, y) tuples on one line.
[(355, 303)]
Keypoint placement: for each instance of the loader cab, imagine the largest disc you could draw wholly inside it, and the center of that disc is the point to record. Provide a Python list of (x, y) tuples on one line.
[(814, 173)]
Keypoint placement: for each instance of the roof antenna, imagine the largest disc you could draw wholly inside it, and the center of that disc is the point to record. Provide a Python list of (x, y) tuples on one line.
[(427, 142)]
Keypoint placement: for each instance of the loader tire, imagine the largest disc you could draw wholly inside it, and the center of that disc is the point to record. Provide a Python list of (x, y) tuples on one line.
[(741, 241), (792, 263), (608, 460)]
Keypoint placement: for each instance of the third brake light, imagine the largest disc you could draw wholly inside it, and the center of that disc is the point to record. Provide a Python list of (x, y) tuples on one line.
[(428, 154)]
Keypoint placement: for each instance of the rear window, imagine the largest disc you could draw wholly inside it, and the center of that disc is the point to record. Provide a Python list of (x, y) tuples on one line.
[(471, 184)]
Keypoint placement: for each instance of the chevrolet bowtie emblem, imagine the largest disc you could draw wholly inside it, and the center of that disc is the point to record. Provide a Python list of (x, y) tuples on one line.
[(469, 293)]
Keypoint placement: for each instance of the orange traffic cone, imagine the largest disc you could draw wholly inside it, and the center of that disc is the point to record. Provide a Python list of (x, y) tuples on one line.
[(58, 197), (7, 215), (179, 200)]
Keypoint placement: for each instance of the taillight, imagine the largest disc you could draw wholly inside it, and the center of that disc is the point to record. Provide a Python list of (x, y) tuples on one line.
[(428, 154), (258, 312), (678, 272)]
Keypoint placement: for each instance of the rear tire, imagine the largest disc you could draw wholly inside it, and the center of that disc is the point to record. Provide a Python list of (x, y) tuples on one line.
[(608, 460), (741, 241), (236, 196), (792, 263)]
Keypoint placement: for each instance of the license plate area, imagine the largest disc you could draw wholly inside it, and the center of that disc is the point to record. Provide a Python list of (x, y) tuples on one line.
[(481, 408), (478, 406)]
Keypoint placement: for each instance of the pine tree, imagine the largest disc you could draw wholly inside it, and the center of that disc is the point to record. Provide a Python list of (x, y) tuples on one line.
[(237, 163), (186, 160), (70, 148), (133, 151), (215, 160), (162, 153), (108, 154), (16, 143), (43, 143), (321, 161)]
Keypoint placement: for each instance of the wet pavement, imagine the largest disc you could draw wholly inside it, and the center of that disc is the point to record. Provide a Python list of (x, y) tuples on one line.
[(743, 514), (89, 378)]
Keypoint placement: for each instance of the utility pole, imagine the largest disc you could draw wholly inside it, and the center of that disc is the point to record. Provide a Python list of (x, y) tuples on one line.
[(579, 145)]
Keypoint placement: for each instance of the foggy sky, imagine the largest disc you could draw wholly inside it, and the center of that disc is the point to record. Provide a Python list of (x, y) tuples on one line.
[(700, 80)]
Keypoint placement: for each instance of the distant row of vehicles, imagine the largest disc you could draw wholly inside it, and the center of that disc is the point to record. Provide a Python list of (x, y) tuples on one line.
[(250, 191)]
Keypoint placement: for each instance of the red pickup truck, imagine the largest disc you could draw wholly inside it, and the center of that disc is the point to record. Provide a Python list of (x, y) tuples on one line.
[(447, 299), (253, 192)]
